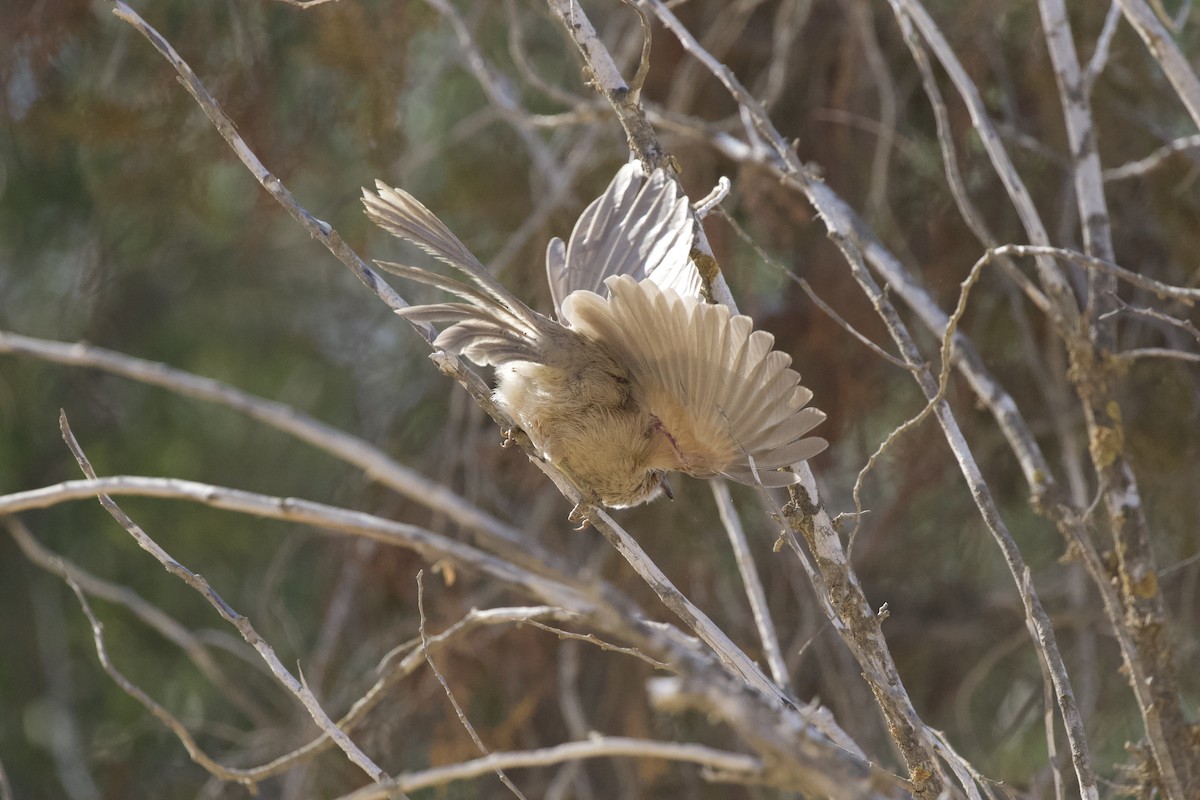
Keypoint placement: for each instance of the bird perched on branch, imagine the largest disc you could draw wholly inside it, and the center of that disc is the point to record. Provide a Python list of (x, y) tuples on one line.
[(636, 376)]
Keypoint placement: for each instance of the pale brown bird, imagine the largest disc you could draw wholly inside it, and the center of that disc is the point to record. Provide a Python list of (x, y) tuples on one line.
[(638, 376)]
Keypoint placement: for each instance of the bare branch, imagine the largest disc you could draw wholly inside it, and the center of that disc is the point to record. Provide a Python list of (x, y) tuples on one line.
[(1157, 352), (165, 717), (1166, 52), (168, 627), (1099, 59), (591, 638), (752, 583), (462, 717), (374, 463), (914, 750), (1181, 293), (430, 545), (1065, 311), (243, 625), (319, 230), (731, 767), (1153, 161)]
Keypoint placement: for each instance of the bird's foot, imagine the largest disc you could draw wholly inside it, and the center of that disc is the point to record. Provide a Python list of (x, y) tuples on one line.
[(578, 517), (579, 514)]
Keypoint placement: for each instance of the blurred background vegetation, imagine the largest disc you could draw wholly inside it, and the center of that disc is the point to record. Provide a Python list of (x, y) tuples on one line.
[(125, 221)]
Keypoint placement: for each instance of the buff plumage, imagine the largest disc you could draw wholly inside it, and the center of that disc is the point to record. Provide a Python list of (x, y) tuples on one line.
[(636, 376)]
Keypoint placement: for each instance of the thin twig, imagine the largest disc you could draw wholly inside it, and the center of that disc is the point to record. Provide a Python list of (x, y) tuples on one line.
[(430, 545), (1154, 314), (1164, 49), (1181, 293), (732, 767), (753, 584), (1151, 162), (1064, 312), (593, 639), (374, 462), (827, 309), (243, 625), (153, 616), (1179, 565), (462, 717), (865, 638), (1048, 720), (932, 404), (1099, 59), (643, 70), (1156, 352), (712, 201), (181, 732)]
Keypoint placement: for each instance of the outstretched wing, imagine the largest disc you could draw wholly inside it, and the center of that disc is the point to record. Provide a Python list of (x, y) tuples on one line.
[(726, 401), (639, 227), (492, 326)]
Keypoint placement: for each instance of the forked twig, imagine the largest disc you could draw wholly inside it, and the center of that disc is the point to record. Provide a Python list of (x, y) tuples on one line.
[(462, 717), (243, 625)]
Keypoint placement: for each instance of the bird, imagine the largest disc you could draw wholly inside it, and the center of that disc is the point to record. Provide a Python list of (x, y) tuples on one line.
[(635, 375)]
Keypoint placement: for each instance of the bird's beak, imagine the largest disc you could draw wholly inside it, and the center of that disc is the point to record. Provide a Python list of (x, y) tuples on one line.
[(665, 485)]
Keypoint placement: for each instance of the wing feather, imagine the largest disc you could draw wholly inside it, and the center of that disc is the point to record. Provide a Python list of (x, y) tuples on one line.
[(474, 297), (486, 343), (772, 479), (401, 214), (493, 326), (639, 226)]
